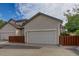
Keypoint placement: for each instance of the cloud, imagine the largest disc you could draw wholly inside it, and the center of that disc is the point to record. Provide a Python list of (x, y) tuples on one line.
[(52, 9)]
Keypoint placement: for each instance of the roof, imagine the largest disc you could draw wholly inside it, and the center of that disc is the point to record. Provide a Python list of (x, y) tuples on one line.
[(14, 25), (21, 20), (27, 21), (11, 20)]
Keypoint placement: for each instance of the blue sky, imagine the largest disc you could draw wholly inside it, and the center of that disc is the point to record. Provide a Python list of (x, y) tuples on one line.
[(7, 11), (27, 10)]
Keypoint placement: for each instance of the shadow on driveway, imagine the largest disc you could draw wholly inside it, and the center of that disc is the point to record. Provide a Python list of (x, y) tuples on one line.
[(19, 47), (74, 50)]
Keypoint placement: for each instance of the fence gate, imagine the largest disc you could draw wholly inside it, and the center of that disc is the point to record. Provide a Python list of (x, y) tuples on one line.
[(16, 39)]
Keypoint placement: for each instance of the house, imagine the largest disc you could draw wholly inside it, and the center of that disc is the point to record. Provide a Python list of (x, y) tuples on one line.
[(10, 28), (40, 29)]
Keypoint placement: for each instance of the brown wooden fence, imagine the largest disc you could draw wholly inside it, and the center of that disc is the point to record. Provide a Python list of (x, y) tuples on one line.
[(16, 39), (69, 40)]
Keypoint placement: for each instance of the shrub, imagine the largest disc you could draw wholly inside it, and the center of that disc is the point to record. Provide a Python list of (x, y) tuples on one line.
[(64, 33), (77, 32)]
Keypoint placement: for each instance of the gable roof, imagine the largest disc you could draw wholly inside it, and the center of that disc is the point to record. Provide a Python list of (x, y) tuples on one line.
[(21, 20), (27, 21), (16, 26), (11, 20)]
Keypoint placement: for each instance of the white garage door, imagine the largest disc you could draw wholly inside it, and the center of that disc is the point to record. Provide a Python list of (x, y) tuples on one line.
[(43, 37)]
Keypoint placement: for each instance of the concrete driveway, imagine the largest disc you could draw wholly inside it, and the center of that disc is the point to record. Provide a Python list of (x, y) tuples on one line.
[(7, 49), (26, 50)]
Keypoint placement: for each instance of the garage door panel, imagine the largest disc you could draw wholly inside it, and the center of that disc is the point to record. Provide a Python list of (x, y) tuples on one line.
[(44, 37)]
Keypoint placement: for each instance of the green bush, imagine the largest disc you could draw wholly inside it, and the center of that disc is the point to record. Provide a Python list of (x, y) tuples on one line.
[(77, 32), (64, 33)]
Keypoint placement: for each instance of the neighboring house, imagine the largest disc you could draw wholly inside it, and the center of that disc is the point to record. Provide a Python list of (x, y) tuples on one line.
[(9, 29), (40, 29)]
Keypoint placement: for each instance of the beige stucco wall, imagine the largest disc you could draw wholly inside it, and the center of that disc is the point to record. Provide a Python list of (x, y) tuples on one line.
[(43, 22), (19, 32), (8, 28)]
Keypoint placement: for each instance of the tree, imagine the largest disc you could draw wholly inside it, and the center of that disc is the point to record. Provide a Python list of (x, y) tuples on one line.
[(73, 19), (1, 23)]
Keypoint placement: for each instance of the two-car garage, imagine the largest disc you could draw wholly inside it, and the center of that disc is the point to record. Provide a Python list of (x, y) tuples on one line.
[(42, 37), (42, 29)]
